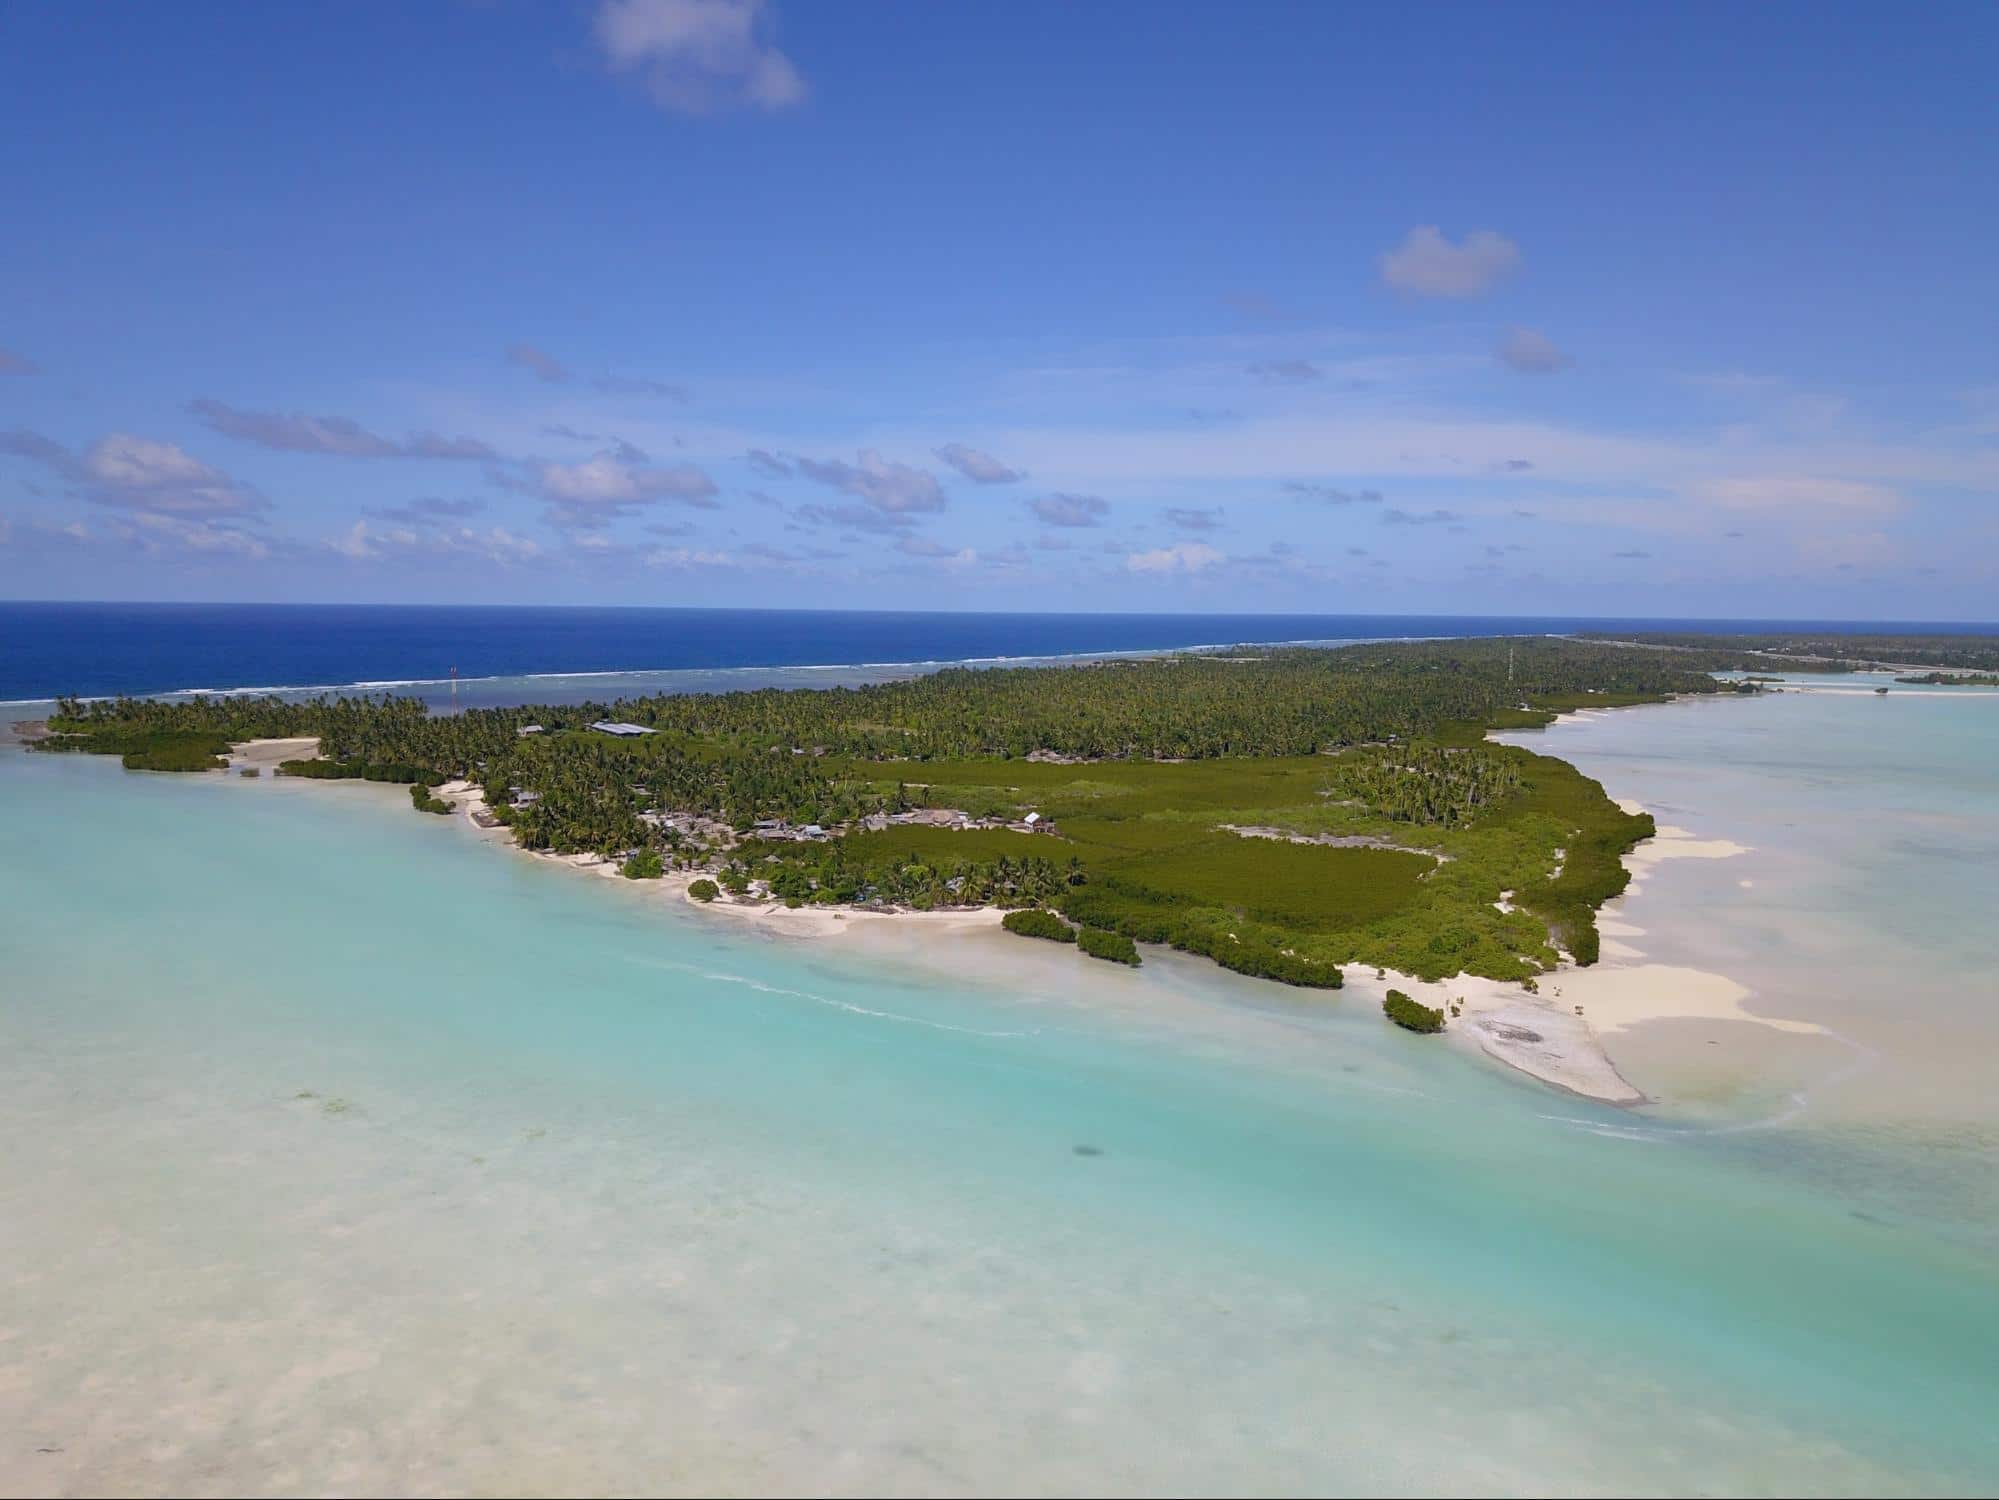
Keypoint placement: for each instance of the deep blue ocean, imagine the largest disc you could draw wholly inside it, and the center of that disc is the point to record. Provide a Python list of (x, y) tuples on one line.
[(106, 649)]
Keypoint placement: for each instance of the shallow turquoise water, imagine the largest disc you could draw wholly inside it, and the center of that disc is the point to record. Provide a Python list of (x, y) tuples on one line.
[(591, 1194)]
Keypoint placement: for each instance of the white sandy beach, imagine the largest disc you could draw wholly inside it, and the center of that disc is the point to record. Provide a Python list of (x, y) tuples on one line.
[(1557, 1035)]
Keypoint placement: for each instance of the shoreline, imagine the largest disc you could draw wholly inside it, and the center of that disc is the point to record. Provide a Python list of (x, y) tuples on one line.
[(1555, 1036)]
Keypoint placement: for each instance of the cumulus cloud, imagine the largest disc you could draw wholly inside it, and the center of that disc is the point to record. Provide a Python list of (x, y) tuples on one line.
[(1188, 557), (1188, 518), (980, 468), (935, 551), (1284, 371), (1071, 510), (1331, 494), (294, 432), (139, 474), (1427, 264), (699, 56), (160, 533), (16, 364), (893, 488), (590, 495), (1532, 352), (1419, 518), (540, 362), (496, 544)]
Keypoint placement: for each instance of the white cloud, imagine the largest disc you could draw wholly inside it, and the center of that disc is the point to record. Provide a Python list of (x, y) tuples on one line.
[(123, 459), (895, 489), (295, 432), (157, 533), (145, 475), (980, 468), (364, 542), (1071, 510), (923, 546), (1532, 352), (1188, 557), (591, 494), (698, 56), (1427, 264), (355, 542)]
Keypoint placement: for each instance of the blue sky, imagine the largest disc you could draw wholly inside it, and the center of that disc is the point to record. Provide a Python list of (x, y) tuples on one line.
[(1685, 310)]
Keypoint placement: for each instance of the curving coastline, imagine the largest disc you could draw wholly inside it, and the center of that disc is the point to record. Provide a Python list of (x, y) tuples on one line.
[(1555, 1035)]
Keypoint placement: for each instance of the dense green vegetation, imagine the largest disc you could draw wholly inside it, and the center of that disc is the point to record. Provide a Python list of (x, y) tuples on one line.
[(146, 748), (704, 890), (1283, 812), (1035, 922), (423, 801), (1953, 679), (1113, 947), (1806, 651), (1420, 784), (645, 864), (1411, 1015), (396, 772), (711, 749)]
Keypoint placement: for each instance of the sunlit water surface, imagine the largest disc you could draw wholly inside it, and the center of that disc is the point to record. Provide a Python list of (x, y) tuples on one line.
[(347, 1153)]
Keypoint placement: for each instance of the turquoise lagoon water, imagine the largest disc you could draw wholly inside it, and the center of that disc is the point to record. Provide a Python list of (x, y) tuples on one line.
[(1864, 902), (348, 1153)]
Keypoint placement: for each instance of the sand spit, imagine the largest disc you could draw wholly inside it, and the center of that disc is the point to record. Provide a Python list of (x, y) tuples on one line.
[(266, 755)]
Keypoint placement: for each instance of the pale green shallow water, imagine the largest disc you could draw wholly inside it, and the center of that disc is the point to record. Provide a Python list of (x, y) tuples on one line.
[(619, 1198)]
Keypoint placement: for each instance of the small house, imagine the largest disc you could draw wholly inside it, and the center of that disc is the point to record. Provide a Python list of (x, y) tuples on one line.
[(619, 728)]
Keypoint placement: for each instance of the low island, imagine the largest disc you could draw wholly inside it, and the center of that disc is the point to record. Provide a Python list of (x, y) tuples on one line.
[(1285, 813)]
